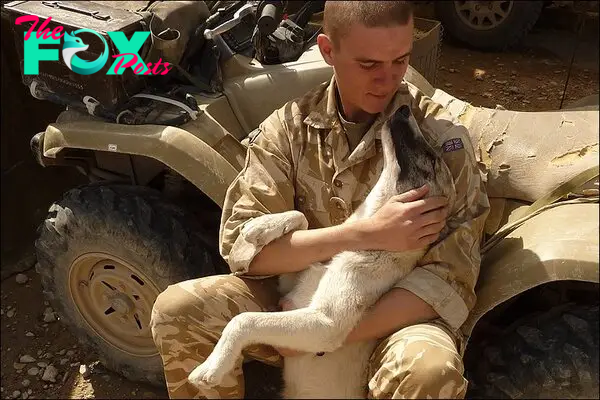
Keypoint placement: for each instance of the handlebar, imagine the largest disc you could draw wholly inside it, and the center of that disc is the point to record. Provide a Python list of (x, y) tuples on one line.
[(270, 14), (227, 25)]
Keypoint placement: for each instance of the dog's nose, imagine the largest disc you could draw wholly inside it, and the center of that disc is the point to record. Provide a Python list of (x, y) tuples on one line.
[(405, 111), (402, 115)]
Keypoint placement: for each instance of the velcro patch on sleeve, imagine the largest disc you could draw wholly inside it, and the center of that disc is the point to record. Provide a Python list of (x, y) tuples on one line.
[(452, 145)]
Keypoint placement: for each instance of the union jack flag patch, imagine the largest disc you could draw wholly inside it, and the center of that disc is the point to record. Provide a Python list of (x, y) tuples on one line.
[(452, 145)]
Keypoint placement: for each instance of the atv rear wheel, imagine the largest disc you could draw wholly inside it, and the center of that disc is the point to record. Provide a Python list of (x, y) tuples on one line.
[(104, 254), (488, 25), (554, 355)]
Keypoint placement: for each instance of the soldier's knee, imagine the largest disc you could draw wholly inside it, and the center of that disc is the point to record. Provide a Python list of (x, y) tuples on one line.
[(200, 299), (168, 302), (437, 373), (434, 367), (165, 311), (175, 304), (419, 370)]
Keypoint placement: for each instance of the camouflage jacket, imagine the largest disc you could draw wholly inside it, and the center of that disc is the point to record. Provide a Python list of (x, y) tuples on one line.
[(299, 159)]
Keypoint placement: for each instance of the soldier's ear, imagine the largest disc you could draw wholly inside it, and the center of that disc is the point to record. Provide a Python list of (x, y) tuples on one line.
[(326, 48)]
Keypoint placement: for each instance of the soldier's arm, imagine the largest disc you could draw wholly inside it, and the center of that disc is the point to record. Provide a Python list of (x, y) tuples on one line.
[(301, 248), (265, 186)]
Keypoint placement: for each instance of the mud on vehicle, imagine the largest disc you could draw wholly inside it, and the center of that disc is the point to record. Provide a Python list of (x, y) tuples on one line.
[(159, 165)]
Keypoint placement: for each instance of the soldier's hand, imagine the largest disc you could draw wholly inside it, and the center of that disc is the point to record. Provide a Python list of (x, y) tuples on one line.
[(406, 222)]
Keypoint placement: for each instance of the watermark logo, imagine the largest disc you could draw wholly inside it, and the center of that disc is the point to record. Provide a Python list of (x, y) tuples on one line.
[(73, 45), (128, 49)]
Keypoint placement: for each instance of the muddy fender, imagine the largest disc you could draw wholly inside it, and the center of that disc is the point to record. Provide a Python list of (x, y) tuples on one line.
[(525, 155), (176, 148), (561, 243)]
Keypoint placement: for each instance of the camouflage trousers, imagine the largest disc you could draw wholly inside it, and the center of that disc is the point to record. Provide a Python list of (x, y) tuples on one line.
[(420, 361)]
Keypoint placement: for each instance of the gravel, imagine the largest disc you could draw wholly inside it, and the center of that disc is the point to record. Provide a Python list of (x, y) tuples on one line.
[(49, 315), (84, 371), (50, 374), (18, 366), (26, 359)]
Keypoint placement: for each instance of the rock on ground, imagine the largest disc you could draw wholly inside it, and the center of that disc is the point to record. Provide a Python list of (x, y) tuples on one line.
[(84, 371), (50, 374), (26, 359)]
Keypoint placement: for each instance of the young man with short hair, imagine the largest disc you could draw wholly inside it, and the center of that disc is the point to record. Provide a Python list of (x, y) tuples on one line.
[(320, 155)]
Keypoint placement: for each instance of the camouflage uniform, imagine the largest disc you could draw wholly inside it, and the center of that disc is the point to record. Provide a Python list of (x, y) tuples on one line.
[(300, 159)]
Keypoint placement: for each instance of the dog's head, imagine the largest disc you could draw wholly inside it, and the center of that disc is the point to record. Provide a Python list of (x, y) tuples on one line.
[(419, 163)]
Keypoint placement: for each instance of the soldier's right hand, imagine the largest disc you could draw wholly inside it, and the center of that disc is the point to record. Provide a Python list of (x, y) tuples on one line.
[(407, 221)]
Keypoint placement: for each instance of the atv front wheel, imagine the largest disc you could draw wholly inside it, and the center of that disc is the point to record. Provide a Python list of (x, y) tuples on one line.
[(488, 25), (554, 355), (104, 254)]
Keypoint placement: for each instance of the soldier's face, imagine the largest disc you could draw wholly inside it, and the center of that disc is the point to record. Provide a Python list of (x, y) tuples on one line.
[(369, 65)]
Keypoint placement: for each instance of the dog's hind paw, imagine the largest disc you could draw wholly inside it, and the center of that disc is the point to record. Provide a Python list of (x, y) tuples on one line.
[(205, 375)]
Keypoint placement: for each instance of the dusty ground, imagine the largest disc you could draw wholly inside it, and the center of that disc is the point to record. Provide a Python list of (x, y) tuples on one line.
[(529, 79), (24, 332)]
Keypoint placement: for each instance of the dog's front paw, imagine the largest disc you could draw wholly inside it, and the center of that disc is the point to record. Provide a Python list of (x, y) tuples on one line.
[(266, 228), (206, 375)]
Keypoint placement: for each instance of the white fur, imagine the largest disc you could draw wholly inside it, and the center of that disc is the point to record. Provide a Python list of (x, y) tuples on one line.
[(332, 298)]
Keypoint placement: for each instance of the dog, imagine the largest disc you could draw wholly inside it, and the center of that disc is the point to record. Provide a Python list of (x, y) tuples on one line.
[(333, 295)]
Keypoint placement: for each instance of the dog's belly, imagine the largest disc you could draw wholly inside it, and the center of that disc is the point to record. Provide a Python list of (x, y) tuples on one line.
[(306, 283), (341, 374)]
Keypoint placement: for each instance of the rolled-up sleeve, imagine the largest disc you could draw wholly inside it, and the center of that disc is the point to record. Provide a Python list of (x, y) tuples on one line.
[(264, 186), (445, 277)]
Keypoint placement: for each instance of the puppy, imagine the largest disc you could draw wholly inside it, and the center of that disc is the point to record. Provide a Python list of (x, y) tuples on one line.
[(333, 296)]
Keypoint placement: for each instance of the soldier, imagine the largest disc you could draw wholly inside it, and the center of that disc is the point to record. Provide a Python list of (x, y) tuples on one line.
[(319, 154)]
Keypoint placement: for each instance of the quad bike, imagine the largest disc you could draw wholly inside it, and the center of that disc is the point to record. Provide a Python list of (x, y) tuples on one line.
[(150, 216)]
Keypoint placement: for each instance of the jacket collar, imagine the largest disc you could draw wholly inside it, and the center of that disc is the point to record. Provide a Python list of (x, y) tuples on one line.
[(324, 114)]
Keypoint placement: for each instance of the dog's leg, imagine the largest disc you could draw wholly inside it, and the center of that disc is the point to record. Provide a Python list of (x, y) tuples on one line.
[(266, 228), (304, 329)]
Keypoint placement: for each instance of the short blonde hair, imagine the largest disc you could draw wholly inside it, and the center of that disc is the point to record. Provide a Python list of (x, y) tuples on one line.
[(338, 16)]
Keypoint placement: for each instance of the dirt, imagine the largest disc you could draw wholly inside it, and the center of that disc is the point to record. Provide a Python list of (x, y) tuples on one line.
[(24, 333), (53, 338), (528, 79)]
